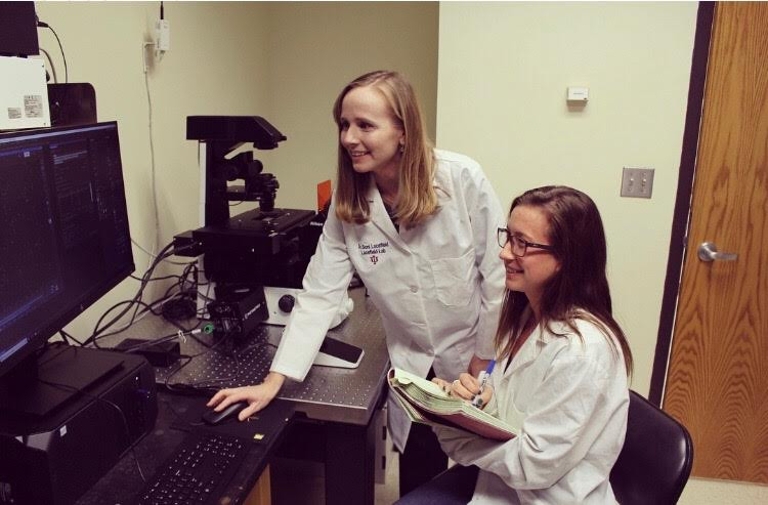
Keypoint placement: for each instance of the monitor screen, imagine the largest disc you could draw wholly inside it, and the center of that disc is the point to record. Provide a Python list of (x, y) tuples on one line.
[(64, 236)]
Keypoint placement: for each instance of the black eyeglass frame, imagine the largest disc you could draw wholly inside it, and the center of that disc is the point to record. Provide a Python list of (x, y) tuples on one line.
[(507, 236)]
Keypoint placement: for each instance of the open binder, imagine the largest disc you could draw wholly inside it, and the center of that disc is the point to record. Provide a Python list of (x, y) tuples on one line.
[(425, 402)]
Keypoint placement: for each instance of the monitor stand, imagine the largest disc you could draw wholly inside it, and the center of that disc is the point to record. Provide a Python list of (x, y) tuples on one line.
[(54, 377)]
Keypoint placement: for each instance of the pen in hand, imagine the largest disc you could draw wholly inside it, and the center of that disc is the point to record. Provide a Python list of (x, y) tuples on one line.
[(483, 378)]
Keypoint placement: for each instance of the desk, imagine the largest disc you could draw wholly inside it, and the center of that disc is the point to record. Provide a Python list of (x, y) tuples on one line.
[(176, 415), (337, 410)]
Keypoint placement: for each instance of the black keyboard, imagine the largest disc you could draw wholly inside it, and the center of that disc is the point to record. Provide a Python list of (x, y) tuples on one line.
[(198, 471)]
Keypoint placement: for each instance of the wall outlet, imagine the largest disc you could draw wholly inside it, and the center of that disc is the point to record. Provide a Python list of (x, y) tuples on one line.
[(637, 182)]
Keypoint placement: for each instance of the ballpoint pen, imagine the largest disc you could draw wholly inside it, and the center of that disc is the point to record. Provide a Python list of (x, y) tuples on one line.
[(483, 378)]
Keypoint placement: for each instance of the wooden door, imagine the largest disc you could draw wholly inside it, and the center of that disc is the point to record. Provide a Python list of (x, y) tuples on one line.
[(717, 382)]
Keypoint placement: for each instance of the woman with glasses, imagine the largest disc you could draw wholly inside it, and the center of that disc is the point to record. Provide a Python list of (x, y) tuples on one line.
[(563, 361), (418, 226)]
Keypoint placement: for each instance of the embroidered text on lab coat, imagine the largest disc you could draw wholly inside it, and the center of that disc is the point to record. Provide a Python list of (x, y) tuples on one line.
[(373, 250)]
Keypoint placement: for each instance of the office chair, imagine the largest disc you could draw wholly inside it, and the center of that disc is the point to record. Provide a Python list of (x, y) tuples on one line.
[(454, 486), (655, 462), (652, 468)]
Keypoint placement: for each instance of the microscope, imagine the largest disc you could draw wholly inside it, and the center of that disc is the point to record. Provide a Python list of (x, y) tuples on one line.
[(266, 246), (264, 250)]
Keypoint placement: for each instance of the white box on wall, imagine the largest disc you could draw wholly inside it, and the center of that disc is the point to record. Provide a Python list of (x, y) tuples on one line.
[(23, 94), (577, 94)]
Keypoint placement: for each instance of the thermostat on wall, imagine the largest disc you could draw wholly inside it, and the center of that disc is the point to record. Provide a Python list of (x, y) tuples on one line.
[(577, 94)]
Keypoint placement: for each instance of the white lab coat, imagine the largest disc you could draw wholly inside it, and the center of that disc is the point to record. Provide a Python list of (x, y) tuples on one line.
[(438, 286), (573, 397)]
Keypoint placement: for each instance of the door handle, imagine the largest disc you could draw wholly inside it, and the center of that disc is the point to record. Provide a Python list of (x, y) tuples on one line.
[(708, 252)]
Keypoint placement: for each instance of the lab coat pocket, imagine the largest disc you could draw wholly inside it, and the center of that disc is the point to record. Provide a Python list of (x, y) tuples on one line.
[(453, 279)]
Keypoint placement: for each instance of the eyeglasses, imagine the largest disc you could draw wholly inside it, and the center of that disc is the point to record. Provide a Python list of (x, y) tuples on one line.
[(519, 246)]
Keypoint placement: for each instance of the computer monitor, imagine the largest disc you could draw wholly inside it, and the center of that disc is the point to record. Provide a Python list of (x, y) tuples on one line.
[(64, 243)]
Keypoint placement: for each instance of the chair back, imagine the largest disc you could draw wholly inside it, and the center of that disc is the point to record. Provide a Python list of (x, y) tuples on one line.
[(655, 462), (454, 486)]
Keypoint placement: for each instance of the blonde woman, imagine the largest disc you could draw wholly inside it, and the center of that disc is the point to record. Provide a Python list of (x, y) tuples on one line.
[(418, 226)]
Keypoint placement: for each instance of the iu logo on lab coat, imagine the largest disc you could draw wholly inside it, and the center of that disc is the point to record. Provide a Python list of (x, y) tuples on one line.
[(373, 251)]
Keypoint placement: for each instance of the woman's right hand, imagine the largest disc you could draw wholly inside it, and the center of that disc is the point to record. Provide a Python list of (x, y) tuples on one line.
[(467, 388), (257, 397)]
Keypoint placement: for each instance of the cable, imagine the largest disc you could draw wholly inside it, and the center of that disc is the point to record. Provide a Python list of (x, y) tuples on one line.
[(50, 63), (153, 255), (137, 302), (136, 298), (67, 337), (154, 279), (153, 176), (98, 332), (138, 316), (151, 149), (42, 24), (181, 335)]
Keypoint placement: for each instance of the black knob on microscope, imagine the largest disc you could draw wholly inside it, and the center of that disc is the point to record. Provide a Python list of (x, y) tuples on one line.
[(286, 303)]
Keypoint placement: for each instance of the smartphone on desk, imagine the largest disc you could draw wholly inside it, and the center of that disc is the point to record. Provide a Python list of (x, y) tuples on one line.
[(335, 353)]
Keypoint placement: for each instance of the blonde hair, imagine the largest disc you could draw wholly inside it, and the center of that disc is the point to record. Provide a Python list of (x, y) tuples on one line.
[(417, 199)]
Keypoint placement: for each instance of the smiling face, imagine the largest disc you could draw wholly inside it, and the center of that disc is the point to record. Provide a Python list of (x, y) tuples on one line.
[(529, 273), (370, 133)]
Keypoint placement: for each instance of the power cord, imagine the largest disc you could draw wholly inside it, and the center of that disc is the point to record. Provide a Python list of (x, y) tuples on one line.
[(42, 24), (151, 146), (50, 62)]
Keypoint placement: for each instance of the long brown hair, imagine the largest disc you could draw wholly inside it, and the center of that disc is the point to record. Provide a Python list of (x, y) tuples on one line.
[(579, 289), (417, 199)]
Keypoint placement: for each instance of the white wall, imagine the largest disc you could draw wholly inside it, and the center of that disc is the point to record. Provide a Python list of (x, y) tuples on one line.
[(284, 61), (503, 72), (315, 49)]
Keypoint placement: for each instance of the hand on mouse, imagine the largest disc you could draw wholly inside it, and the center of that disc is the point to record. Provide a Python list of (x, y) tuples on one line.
[(257, 397)]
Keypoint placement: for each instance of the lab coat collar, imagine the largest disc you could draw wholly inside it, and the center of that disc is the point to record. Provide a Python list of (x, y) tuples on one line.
[(531, 348), (528, 353), (379, 217), (443, 185), (539, 339)]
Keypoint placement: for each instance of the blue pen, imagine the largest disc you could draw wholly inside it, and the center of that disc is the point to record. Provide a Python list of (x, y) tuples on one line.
[(483, 378)]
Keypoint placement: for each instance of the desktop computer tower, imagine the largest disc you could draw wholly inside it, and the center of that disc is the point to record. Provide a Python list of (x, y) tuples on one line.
[(53, 460)]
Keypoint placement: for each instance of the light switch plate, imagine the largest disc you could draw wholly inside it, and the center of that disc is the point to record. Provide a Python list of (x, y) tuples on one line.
[(637, 182)]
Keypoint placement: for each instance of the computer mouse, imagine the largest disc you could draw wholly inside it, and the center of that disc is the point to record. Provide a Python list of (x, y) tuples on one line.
[(286, 303), (213, 418)]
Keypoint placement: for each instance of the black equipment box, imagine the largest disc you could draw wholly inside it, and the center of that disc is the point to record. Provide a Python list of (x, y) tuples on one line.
[(159, 354), (18, 29), (260, 248), (54, 459), (237, 312)]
